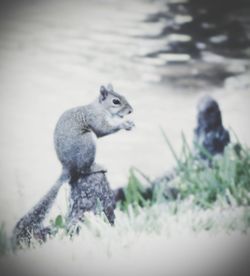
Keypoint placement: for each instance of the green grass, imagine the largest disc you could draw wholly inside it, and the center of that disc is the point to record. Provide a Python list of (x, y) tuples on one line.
[(223, 178), (134, 193)]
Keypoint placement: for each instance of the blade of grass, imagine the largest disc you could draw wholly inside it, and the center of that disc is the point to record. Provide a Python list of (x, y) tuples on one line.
[(171, 148)]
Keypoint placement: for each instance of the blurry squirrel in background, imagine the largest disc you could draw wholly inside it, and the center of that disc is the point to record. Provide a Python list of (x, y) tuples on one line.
[(210, 133), (74, 139)]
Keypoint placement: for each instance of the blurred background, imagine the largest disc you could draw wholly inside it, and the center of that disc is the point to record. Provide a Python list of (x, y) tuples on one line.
[(162, 55)]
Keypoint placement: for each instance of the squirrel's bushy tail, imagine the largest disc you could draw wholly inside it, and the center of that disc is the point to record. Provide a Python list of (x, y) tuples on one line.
[(44, 205), (31, 225)]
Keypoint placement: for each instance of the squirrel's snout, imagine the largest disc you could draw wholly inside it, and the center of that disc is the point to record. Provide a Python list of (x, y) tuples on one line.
[(130, 110)]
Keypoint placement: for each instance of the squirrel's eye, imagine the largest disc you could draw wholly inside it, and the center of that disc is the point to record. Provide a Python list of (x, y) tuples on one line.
[(116, 102)]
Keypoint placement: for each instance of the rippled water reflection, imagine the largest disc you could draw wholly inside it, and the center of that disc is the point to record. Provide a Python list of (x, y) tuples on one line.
[(56, 54)]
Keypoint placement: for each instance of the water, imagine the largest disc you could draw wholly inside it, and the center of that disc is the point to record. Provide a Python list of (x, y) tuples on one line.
[(213, 38), (55, 55)]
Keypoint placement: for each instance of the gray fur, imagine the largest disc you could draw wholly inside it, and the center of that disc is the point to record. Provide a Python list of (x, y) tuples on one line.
[(31, 225), (75, 132), (210, 133)]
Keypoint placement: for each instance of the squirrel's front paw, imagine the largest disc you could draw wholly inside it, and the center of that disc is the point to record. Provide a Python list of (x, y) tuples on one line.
[(128, 125)]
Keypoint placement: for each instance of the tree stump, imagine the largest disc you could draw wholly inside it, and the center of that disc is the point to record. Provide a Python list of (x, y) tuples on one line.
[(90, 193)]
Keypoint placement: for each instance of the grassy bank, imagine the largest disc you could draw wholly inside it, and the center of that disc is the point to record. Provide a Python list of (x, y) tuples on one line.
[(179, 238), (212, 197)]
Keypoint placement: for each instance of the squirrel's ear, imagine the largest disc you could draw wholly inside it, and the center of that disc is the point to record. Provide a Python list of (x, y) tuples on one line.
[(103, 93), (110, 87)]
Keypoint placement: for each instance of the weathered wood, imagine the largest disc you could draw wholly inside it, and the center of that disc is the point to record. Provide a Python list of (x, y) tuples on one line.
[(90, 193)]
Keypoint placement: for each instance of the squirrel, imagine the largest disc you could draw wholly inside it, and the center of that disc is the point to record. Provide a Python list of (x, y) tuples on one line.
[(74, 140), (77, 129)]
